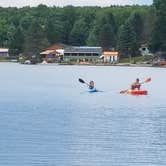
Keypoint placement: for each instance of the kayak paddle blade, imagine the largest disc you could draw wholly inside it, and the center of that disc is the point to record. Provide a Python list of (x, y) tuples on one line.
[(148, 79), (124, 91), (81, 80)]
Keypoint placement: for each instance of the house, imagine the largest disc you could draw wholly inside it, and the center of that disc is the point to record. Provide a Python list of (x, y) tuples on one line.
[(110, 56), (54, 52), (82, 54), (144, 50), (4, 52)]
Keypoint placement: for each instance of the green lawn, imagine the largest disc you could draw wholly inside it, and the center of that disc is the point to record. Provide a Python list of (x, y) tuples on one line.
[(132, 60), (4, 59)]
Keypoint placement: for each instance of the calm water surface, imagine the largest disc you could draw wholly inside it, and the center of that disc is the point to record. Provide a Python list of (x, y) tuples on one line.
[(47, 118)]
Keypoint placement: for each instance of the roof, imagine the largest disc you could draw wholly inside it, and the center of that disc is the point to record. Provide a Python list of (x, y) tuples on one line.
[(110, 53), (4, 50), (47, 52), (56, 46), (83, 50)]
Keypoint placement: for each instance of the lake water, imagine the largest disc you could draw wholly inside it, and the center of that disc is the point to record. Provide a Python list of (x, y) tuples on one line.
[(47, 118)]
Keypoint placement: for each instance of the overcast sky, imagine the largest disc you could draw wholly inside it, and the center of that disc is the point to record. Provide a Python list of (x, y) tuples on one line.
[(21, 3)]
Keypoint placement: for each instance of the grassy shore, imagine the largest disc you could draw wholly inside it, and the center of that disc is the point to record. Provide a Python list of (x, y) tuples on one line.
[(138, 59), (5, 59)]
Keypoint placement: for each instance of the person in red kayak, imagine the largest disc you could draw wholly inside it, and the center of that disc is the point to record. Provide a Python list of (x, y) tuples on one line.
[(91, 85), (136, 85)]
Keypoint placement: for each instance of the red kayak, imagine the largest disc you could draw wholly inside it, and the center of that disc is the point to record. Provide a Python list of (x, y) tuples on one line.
[(138, 92)]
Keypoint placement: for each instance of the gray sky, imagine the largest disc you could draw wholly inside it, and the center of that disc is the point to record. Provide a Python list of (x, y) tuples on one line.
[(21, 3)]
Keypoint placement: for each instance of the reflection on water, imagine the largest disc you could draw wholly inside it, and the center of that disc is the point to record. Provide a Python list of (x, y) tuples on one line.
[(47, 118)]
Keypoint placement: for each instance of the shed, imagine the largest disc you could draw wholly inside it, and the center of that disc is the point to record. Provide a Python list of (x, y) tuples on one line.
[(110, 56), (4, 52)]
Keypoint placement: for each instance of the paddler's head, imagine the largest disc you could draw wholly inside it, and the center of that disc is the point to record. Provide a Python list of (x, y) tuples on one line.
[(91, 82)]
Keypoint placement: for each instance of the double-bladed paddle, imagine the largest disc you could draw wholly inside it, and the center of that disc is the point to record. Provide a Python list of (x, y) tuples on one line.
[(82, 81)]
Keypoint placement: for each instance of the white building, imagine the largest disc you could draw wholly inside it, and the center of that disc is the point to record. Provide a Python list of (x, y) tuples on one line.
[(4, 52), (110, 56)]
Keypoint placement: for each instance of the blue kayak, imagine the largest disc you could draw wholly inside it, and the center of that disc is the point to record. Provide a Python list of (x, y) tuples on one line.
[(92, 90)]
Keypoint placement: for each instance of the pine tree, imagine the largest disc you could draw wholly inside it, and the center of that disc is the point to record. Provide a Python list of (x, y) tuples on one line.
[(35, 39), (137, 23), (127, 40), (104, 31), (158, 41), (107, 37), (79, 33), (17, 41)]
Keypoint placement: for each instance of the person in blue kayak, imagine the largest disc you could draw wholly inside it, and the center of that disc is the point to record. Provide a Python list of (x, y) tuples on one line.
[(136, 85), (91, 85)]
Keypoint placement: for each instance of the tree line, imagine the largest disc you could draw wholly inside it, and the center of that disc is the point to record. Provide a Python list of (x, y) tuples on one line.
[(29, 30)]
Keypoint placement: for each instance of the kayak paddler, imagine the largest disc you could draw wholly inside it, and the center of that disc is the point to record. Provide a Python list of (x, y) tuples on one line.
[(91, 84), (136, 85)]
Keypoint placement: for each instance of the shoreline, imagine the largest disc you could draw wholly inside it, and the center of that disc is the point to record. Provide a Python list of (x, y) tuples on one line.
[(94, 64), (118, 65)]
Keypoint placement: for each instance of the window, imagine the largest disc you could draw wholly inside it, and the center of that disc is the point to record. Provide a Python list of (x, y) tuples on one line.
[(81, 54), (88, 54), (74, 54), (95, 54), (67, 54)]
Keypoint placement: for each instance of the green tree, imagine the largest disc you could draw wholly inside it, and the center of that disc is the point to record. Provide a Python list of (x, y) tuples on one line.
[(104, 31), (35, 39), (54, 29), (80, 25), (3, 33), (107, 37), (79, 33), (149, 16), (158, 41), (68, 19), (127, 40), (137, 23), (92, 38), (17, 41)]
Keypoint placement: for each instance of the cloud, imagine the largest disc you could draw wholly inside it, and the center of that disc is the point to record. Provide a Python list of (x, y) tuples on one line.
[(21, 3)]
